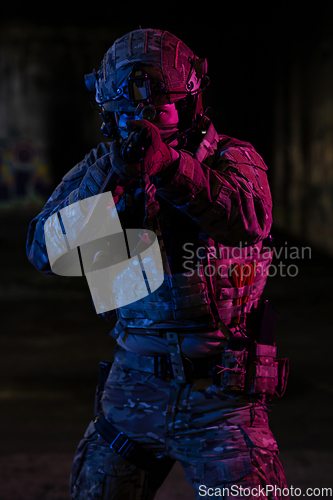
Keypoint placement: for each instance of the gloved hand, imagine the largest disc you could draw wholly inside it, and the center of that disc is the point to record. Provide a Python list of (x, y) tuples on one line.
[(94, 178), (156, 157)]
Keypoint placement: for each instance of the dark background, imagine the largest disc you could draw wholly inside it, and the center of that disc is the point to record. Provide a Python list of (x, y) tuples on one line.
[(51, 339)]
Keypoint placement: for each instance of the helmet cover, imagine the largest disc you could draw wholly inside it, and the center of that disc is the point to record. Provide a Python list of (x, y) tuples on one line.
[(170, 65)]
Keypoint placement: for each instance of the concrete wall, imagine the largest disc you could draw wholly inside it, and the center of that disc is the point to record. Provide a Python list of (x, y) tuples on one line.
[(44, 106), (303, 139)]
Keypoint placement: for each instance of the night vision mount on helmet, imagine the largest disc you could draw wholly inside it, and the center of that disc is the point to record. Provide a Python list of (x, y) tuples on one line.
[(144, 69)]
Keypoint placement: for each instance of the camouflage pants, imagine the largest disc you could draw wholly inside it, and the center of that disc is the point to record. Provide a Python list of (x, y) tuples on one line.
[(223, 443)]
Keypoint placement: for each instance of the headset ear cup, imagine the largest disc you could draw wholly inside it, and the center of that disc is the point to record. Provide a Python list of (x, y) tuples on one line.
[(185, 112), (197, 107), (205, 82)]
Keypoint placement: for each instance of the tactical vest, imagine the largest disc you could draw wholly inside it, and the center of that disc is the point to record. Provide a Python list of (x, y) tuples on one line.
[(237, 282)]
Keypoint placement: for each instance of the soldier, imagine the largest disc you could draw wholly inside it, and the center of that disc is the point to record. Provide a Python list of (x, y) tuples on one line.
[(191, 372)]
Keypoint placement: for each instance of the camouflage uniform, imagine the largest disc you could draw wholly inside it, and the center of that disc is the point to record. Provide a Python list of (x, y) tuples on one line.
[(217, 198), (218, 440)]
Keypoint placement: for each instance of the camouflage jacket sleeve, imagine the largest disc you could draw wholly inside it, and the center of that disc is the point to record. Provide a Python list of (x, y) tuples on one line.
[(64, 194), (227, 193)]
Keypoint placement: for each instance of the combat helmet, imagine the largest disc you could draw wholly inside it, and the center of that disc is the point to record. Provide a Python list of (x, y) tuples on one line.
[(147, 68)]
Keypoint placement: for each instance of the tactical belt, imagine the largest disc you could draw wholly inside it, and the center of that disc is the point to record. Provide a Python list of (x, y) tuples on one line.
[(193, 368), (162, 368), (162, 331)]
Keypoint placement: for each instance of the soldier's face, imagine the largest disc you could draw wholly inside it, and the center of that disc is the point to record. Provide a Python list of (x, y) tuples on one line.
[(166, 120)]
